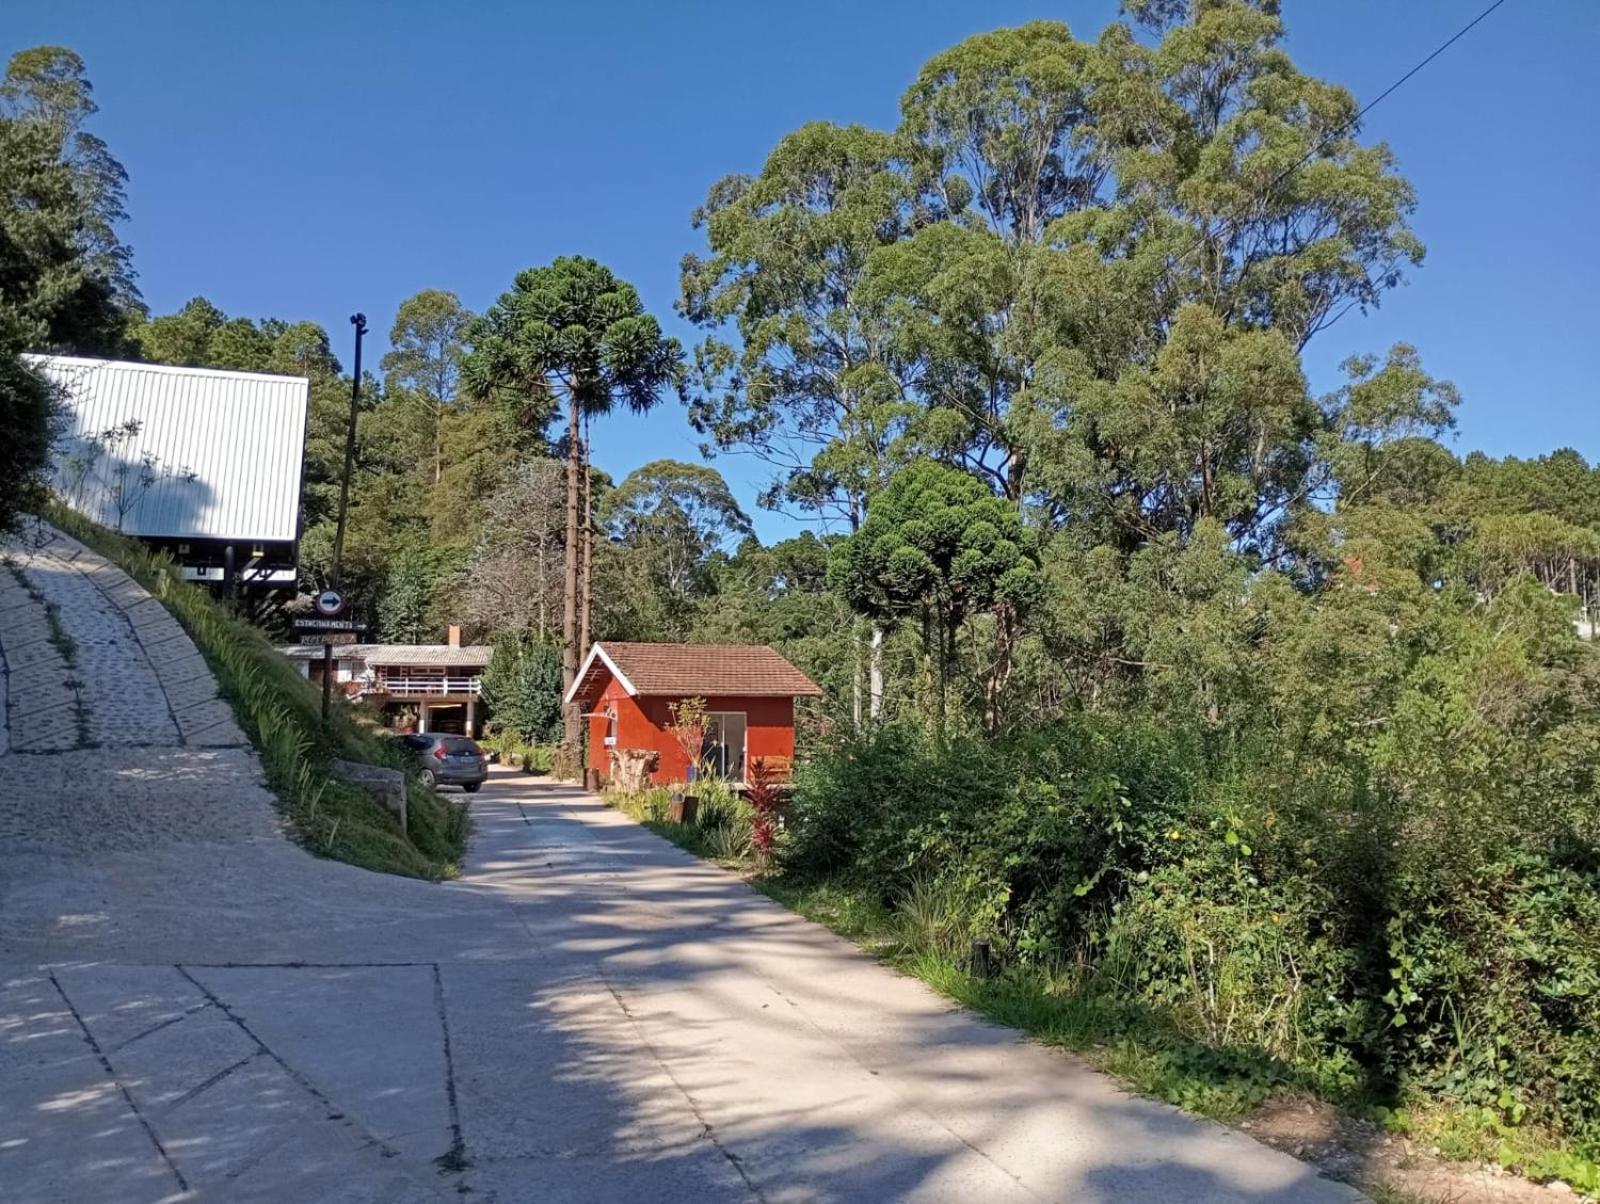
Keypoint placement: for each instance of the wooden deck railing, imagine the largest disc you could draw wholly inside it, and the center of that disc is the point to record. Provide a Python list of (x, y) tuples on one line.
[(419, 682)]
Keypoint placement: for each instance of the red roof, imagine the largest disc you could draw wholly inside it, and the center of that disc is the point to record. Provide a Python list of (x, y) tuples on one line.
[(692, 670)]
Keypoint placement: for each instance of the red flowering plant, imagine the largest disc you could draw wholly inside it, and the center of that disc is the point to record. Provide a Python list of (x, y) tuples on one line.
[(765, 798)]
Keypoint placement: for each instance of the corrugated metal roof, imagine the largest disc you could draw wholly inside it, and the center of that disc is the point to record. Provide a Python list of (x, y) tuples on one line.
[(241, 434), (398, 654)]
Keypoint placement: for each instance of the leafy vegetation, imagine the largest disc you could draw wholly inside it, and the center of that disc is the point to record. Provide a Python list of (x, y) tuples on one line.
[(1284, 772), (522, 687), (65, 280), (1252, 729), (723, 827)]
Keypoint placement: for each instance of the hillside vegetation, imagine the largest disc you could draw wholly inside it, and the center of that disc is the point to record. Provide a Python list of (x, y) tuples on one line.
[(281, 712)]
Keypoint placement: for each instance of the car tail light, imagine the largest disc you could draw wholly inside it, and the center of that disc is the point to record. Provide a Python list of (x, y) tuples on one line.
[(438, 752)]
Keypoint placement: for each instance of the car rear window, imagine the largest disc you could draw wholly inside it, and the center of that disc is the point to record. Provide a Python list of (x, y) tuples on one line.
[(458, 744)]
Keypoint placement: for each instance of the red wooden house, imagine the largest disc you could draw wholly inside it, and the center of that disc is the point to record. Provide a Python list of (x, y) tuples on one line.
[(626, 691)]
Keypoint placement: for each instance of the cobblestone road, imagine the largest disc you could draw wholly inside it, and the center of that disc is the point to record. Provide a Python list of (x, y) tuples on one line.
[(114, 735)]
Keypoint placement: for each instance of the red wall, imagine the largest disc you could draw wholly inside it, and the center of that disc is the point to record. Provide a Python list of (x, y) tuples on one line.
[(643, 722)]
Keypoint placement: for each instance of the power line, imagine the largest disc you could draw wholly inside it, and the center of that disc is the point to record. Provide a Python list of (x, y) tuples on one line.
[(1340, 131)]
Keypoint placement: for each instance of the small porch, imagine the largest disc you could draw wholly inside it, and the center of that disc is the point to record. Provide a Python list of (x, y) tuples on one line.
[(452, 714), (442, 698)]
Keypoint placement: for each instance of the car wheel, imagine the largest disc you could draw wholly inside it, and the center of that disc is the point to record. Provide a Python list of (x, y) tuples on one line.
[(426, 778), (472, 787)]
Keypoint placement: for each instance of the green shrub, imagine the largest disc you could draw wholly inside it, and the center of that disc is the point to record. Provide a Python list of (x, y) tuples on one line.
[(1034, 833), (522, 686), (537, 758), (1346, 931)]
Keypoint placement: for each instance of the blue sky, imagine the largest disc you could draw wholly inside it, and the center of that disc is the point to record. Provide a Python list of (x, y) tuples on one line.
[(307, 159)]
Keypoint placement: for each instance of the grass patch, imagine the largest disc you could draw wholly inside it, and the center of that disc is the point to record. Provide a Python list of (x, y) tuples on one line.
[(1119, 1037), (281, 712), (1483, 1135), (650, 810), (720, 832), (535, 759)]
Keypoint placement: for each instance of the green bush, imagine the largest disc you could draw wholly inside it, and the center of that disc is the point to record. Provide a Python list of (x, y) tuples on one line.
[(723, 824), (1348, 936), (1035, 832), (29, 414), (522, 686)]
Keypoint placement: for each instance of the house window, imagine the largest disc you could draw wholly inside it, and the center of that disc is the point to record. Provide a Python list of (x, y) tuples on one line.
[(722, 750)]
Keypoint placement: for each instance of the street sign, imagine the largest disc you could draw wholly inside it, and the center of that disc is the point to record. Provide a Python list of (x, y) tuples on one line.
[(330, 637), (328, 624), (330, 602)]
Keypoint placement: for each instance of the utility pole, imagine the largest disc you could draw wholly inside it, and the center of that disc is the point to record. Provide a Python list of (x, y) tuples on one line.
[(359, 321)]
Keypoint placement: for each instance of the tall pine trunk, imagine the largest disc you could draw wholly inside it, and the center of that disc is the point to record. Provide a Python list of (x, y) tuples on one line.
[(999, 676), (570, 738), (586, 587), (438, 442)]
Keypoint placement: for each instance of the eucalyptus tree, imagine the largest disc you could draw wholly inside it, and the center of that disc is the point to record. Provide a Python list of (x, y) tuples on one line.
[(794, 367), (670, 526), (66, 281), (569, 336), (422, 367), (1126, 208), (797, 367), (1023, 245), (46, 90), (1082, 270)]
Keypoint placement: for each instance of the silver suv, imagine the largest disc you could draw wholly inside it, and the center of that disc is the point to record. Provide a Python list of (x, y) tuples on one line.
[(443, 760)]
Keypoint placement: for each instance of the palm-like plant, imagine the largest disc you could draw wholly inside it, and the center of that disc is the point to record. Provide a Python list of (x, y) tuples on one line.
[(569, 337)]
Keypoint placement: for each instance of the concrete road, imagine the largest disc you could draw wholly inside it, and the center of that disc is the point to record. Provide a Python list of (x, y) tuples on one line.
[(589, 1015)]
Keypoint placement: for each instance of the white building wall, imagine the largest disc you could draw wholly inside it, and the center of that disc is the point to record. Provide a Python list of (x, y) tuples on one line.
[(241, 434)]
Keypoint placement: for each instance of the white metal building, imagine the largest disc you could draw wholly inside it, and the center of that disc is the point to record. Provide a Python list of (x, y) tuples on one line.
[(202, 462)]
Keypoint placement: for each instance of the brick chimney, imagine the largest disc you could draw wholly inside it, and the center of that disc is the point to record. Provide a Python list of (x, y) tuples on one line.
[(454, 636)]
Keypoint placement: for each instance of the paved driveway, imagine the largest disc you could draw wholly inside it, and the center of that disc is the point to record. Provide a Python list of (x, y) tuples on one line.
[(193, 1008), (589, 1015)]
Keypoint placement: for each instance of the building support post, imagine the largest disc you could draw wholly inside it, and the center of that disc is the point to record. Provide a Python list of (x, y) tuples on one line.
[(472, 717), (422, 717)]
